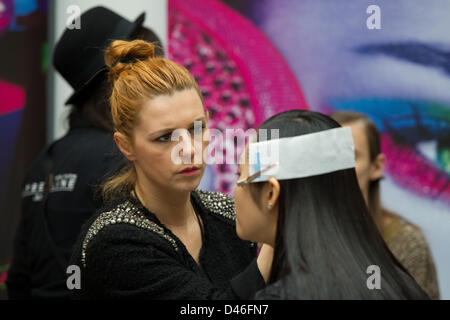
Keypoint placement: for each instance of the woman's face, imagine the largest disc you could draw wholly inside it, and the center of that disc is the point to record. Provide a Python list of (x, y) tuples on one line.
[(362, 156), (254, 222), (154, 153), (366, 170)]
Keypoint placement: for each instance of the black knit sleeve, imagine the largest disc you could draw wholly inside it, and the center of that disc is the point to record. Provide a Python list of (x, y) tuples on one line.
[(127, 262)]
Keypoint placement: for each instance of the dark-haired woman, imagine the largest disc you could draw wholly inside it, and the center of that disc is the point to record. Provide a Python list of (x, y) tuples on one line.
[(324, 240), (404, 239), (160, 237)]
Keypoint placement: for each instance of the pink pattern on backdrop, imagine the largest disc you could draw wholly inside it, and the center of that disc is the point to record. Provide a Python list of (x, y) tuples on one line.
[(414, 172), (243, 78), (273, 86), (12, 98)]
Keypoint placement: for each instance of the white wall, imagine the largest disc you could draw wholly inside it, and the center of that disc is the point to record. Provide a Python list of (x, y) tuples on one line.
[(58, 89)]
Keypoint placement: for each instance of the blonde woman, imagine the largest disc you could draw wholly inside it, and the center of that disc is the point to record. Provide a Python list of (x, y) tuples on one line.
[(160, 237)]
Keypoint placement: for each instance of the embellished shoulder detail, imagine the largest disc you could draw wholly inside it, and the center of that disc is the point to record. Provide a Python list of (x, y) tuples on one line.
[(125, 212), (218, 203)]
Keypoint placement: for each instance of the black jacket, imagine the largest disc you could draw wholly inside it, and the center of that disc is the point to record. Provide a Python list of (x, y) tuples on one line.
[(80, 161), (125, 252)]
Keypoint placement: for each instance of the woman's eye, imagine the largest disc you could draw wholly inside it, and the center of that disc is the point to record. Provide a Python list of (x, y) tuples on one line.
[(167, 136), (164, 138)]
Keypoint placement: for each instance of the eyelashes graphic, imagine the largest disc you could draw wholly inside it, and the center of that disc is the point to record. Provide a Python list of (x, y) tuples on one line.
[(428, 55), (415, 136)]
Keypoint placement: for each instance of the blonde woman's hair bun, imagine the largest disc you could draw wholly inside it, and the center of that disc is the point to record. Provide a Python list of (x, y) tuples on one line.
[(120, 55)]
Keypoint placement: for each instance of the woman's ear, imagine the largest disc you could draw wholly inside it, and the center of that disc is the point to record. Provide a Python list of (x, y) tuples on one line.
[(272, 194), (124, 146), (377, 167)]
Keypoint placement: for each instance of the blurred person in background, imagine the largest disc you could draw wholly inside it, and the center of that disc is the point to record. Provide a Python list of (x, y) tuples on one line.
[(404, 239), (59, 192)]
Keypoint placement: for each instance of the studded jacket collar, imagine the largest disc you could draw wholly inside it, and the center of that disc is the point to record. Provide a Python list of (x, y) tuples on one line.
[(132, 212)]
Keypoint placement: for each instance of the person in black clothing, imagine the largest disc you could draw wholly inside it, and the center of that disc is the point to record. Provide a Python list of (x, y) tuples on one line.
[(59, 190), (160, 237), (323, 237)]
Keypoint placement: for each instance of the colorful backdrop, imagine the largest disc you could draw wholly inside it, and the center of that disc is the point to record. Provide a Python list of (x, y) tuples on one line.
[(254, 58), (257, 57), (23, 62)]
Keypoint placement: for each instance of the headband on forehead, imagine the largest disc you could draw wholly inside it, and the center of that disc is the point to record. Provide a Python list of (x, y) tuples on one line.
[(302, 156)]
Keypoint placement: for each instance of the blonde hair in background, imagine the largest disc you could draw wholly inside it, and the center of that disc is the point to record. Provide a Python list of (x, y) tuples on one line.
[(374, 145)]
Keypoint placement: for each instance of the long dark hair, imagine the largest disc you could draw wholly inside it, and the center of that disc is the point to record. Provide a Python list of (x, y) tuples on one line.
[(374, 145), (326, 238)]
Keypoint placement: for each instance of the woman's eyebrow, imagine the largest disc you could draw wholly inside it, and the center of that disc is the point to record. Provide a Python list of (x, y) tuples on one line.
[(160, 132), (167, 130), (416, 52)]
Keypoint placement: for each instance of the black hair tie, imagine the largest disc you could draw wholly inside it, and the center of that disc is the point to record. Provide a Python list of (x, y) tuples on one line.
[(128, 59)]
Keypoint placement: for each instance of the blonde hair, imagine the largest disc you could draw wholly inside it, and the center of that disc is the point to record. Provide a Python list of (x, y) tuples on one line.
[(137, 75)]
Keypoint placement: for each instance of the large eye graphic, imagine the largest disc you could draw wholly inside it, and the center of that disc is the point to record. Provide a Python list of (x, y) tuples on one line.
[(415, 137)]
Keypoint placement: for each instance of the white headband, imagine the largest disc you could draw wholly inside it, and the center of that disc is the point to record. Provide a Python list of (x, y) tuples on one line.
[(303, 156)]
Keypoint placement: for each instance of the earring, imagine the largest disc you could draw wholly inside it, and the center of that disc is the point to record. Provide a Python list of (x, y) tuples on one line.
[(269, 205)]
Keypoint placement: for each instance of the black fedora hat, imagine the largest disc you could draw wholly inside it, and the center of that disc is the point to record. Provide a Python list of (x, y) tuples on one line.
[(79, 53)]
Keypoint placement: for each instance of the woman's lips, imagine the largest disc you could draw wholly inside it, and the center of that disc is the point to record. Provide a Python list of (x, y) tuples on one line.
[(190, 171)]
